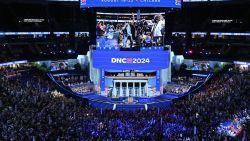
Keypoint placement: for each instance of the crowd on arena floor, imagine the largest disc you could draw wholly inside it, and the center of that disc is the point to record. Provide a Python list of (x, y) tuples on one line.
[(219, 101), (29, 111)]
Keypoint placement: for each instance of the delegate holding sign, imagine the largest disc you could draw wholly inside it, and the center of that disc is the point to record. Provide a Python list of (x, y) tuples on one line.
[(127, 60)]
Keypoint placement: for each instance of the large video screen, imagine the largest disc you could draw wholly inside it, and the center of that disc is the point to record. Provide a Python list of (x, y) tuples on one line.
[(129, 30), (130, 3)]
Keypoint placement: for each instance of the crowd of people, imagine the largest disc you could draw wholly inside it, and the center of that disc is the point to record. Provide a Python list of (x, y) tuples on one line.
[(71, 80), (234, 127), (187, 80), (182, 84), (28, 109), (225, 96), (31, 110), (176, 89), (76, 83), (82, 89)]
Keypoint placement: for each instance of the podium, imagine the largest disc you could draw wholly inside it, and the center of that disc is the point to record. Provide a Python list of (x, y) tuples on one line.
[(130, 100)]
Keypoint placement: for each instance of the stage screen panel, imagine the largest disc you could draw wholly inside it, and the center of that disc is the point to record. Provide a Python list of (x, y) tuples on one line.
[(129, 60), (129, 30), (130, 3)]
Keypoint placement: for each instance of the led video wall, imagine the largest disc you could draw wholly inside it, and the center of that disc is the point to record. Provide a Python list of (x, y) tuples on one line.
[(129, 30)]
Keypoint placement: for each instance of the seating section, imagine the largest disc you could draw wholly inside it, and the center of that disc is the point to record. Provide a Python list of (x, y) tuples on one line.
[(33, 109)]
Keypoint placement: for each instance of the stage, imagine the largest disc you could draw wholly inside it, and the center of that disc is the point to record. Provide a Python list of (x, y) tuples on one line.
[(100, 101)]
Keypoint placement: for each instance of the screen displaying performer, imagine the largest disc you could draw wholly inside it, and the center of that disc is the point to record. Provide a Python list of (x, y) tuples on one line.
[(129, 30)]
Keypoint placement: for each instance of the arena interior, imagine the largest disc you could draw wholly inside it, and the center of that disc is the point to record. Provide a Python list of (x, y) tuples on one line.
[(125, 70)]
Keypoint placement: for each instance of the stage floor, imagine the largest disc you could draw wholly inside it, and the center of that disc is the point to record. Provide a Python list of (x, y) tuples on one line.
[(139, 103)]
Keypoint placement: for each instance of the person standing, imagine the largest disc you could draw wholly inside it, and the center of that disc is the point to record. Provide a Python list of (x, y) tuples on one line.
[(128, 32), (158, 29), (100, 28)]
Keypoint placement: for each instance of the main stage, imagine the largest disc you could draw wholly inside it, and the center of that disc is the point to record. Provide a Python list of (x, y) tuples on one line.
[(121, 102)]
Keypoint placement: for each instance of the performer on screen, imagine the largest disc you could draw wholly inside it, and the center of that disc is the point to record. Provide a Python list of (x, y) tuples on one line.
[(128, 32), (148, 40), (100, 29), (158, 29), (110, 31)]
